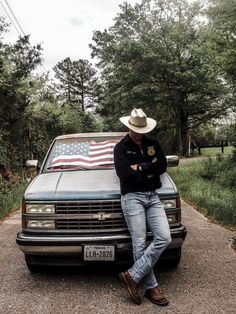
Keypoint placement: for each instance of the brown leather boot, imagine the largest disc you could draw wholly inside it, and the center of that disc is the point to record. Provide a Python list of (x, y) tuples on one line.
[(156, 296), (131, 285)]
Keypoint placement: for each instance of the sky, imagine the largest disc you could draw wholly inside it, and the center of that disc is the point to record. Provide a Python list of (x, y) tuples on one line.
[(64, 28)]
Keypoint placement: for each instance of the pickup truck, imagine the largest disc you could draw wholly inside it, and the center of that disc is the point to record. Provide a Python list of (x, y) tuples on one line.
[(71, 210)]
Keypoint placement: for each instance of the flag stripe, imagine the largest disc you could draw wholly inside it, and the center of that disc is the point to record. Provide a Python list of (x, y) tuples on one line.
[(78, 158), (101, 152), (83, 163), (99, 146)]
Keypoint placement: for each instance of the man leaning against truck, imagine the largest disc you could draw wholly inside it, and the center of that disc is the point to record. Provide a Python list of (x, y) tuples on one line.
[(139, 162)]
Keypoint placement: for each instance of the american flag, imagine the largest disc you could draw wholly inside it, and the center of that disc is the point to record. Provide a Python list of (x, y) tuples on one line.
[(84, 154)]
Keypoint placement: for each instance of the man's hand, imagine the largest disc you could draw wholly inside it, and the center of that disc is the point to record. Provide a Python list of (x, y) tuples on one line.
[(135, 167)]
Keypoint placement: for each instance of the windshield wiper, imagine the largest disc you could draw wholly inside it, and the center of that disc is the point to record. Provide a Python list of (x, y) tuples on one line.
[(67, 167)]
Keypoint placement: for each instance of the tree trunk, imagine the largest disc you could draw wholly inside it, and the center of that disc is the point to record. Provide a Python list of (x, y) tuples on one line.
[(182, 128), (184, 135), (82, 101)]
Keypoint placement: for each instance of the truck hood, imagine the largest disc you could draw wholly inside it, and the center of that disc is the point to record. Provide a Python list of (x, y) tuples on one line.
[(77, 185)]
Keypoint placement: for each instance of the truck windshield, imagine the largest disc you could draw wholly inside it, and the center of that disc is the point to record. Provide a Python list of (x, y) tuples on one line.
[(81, 154)]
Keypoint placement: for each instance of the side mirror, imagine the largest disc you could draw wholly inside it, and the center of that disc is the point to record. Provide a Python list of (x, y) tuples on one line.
[(32, 169), (32, 164), (172, 161)]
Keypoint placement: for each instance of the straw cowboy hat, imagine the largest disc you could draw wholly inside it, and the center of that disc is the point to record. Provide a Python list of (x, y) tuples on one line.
[(138, 121)]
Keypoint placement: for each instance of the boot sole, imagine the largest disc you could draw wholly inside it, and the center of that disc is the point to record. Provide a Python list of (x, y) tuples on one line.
[(165, 303)]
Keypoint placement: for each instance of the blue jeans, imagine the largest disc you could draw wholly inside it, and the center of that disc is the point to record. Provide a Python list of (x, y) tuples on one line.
[(142, 210)]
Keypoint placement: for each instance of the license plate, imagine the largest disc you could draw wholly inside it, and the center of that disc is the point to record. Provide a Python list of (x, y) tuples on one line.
[(99, 253)]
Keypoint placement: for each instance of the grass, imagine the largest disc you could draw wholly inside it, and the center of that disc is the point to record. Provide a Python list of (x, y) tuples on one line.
[(210, 186), (214, 151), (10, 197)]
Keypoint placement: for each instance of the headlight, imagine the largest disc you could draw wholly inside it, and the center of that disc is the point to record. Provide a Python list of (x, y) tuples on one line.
[(172, 218), (40, 208), (169, 203), (40, 224)]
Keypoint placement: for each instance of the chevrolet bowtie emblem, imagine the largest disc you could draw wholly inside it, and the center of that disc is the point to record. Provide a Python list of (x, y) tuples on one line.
[(101, 216)]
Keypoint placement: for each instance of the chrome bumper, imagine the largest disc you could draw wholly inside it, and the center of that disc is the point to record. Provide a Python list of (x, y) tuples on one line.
[(31, 244)]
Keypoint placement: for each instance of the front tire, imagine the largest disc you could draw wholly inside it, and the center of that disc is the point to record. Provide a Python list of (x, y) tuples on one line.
[(174, 262), (171, 260), (33, 268)]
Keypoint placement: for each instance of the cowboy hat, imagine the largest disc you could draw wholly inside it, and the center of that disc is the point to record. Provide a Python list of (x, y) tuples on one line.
[(138, 121)]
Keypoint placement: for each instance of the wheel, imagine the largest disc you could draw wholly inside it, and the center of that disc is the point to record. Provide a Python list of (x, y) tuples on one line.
[(174, 262), (33, 268), (171, 259)]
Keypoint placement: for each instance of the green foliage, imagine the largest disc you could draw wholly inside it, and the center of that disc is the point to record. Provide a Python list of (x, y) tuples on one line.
[(222, 14), (24, 58), (77, 83), (217, 151), (210, 185), (31, 114), (209, 134), (221, 171), (17, 61), (46, 121), (159, 56), (3, 152), (234, 155), (11, 196)]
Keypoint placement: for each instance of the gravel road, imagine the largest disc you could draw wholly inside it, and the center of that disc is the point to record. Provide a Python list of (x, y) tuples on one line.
[(204, 282)]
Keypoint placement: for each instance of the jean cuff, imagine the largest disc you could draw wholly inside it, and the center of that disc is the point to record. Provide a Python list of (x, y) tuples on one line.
[(132, 275)]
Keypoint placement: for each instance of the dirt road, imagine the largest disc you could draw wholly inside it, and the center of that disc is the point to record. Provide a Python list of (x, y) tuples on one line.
[(204, 282)]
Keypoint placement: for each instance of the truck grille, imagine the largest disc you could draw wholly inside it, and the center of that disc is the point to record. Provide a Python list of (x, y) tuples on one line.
[(98, 216), (88, 207), (94, 224)]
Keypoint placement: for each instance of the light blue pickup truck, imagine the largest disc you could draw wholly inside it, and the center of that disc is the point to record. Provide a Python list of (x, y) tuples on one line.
[(71, 211)]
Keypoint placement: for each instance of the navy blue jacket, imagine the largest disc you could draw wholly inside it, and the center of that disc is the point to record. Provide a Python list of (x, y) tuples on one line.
[(152, 163)]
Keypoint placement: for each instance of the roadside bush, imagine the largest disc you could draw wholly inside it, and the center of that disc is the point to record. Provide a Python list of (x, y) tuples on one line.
[(221, 170), (3, 152), (234, 155), (228, 178), (210, 185), (11, 195), (208, 170)]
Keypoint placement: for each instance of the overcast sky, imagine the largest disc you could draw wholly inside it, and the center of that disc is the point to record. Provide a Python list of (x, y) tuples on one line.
[(63, 27)]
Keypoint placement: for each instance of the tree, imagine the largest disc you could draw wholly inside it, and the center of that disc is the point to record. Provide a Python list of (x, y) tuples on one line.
[(222, 14), (17, 62), (159, 55), (77, 83), (30, 113), (47, 119)]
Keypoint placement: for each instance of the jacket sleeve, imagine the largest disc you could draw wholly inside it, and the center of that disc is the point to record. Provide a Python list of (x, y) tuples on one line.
[(157, 167), (122, 166)]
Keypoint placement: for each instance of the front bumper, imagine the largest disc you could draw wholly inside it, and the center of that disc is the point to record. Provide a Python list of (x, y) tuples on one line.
[(42, 245)]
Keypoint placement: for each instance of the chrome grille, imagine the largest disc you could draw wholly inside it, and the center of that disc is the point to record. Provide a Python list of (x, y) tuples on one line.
[(91, 224), (98, 216), (88, 207)]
